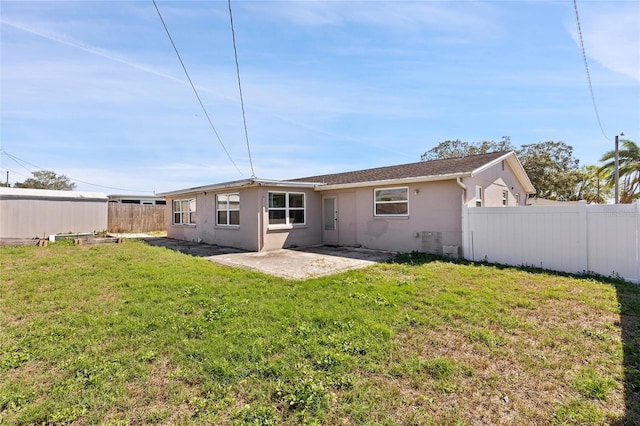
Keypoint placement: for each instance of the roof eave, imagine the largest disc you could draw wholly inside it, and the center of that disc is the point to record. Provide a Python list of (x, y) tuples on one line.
[(386, 182), (238, 184), (289, 183), (212, 187)]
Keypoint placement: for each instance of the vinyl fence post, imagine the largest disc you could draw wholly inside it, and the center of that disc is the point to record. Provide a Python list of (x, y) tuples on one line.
[(637, 277), (466, 251), (582, 249)]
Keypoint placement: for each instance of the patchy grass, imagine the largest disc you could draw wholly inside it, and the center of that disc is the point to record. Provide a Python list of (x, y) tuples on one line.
[(133, 334)]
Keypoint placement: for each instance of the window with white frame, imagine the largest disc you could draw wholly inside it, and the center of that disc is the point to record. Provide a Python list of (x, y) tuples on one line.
[(391, 202), (478, 196), (228, 209), (505, 197), (184, 212), (286, 208)]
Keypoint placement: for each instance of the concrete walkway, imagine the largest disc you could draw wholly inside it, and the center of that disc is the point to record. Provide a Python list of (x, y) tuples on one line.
[(294, 264)]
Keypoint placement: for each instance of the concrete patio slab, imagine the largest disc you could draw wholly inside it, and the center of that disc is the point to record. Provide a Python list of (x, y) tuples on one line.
[(189, 247), (294, 264)]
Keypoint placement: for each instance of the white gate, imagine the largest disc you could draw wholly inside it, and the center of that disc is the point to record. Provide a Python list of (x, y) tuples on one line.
[(576, 238)]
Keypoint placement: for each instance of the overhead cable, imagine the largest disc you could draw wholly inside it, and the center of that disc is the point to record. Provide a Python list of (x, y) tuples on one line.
[(244, 119), (586, 67), (20, 162), (4, 170), (194, 88), (16, 160)]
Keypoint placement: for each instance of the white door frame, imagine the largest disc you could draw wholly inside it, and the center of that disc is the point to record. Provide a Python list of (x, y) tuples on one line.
[(330, 220)]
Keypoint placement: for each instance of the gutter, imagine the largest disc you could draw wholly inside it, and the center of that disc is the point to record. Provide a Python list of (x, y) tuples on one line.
[(463, 196), (245, 183), (416, 179)]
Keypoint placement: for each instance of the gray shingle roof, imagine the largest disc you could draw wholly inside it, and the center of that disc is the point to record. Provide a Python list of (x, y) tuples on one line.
[(461, 165)]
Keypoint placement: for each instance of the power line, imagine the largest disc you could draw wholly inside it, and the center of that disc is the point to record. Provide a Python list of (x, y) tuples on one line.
[(19, 162), (194, 88), (15, 160), (244, 119), (586, 67), (5, 170)]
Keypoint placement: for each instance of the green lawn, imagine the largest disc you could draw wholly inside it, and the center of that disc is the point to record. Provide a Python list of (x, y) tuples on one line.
[(133, 334)]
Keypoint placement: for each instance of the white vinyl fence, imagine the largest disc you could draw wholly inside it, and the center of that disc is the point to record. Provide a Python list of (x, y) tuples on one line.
[(577, 238)]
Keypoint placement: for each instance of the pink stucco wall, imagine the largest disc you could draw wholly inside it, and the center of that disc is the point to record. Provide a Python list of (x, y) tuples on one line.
[(254, 232), (494, 181), (434, 220)]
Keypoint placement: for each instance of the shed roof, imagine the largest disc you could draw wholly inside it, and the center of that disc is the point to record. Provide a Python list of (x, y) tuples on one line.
[(28, 193)]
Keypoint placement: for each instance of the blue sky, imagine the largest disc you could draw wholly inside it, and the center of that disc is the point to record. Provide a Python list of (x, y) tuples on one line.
[(94, 90)]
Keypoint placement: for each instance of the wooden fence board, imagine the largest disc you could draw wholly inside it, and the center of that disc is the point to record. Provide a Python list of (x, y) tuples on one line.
[(136, 218)]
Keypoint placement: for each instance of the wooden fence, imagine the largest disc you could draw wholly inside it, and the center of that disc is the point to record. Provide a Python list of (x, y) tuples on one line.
[(136, 218), (604, 239)]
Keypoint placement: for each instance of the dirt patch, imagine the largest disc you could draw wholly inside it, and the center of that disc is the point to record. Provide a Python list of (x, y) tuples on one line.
[(153, 400)]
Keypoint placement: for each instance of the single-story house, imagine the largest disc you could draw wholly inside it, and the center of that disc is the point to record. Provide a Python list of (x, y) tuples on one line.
[(137, 199), (404, 208), (39, 213)]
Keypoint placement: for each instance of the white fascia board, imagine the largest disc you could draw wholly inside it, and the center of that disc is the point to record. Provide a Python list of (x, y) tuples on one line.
[(238, 184), (285, 183), (213, 187), (490, 164), (521, 173), (403, 181)]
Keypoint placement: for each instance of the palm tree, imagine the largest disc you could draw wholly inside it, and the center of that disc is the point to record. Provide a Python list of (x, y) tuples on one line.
[(629, 170), (593, 187)]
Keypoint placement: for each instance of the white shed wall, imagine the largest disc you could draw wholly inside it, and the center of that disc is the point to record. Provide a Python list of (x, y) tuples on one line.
[(35, 213)]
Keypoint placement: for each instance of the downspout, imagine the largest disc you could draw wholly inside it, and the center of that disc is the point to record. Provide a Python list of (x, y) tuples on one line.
[(258, 234), (464, 188), (261, 225)]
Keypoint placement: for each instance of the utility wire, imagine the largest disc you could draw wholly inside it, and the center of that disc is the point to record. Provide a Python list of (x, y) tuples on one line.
[(586, 67), (19, 162), (4, 171), (244, 119), (16, 161), (194, 88)]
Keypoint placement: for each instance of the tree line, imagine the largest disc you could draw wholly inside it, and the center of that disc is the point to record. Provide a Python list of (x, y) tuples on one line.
[(45, 179), (555, 173)]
